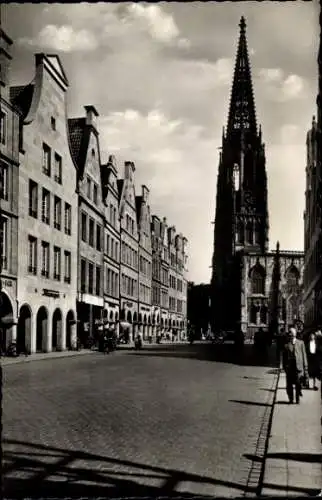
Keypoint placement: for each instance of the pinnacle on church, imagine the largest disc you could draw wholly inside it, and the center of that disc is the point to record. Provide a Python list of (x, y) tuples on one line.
[(242, 107)]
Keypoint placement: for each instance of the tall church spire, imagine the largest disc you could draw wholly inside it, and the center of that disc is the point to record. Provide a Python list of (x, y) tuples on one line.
[(242, 114)]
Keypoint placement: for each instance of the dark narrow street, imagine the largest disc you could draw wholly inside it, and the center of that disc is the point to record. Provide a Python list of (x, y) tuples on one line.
[(167, 420)]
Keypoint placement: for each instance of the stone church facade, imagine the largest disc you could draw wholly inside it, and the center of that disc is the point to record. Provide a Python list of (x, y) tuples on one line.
[(251, 287)]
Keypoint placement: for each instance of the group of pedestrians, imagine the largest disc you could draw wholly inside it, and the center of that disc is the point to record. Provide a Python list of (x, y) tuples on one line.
[(300, 360)]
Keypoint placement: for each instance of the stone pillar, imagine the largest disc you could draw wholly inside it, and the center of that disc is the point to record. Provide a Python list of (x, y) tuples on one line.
[(47, 334), (90, 321), (73, 335), (61, 341), (32, 337), (11, 334)]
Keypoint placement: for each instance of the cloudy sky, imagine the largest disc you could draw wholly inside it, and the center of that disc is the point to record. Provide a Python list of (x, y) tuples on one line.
[(160, 76)]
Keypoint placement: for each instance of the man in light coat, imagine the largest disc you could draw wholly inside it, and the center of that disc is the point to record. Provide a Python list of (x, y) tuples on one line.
[(295, 365)]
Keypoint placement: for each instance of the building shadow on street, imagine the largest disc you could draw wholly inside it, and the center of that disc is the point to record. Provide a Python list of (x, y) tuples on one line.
[(248, 403), (297, 457), (57, 473), (222, 353)]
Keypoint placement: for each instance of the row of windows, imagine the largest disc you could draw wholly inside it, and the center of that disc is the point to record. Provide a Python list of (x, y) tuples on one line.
[(129, 256), (91, 189), (4, 180), (3, 128), (160, 297), (145, 266), (111, 282), (46, 208), (112, 215), (89, 283), (130, 224), (145, 293), (129, 286), (175, 284), (4, 243), (88, 230), (45, 255), (46, 163), (112, 247), (247, 233)]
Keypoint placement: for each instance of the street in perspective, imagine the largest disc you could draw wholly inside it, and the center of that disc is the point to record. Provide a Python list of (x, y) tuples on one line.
[(161, 334)]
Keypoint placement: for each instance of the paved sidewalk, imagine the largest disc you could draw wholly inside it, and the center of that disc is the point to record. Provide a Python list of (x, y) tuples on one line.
[(5, 361), (293, 464)]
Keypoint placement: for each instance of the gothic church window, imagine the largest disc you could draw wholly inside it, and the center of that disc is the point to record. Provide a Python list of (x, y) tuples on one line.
[(253, 314), (257, 233), (249, 232), (240, 232), (292, 276), (258, 280), (263, 315)]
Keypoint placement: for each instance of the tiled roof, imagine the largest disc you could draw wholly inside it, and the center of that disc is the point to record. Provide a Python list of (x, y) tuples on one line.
[(79, 138), (21, 97)]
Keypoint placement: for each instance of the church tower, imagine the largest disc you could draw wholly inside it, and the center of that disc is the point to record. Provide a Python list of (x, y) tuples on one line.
[(241, 221)]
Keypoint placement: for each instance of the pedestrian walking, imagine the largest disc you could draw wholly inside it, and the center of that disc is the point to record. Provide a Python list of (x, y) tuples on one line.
[(295, 365), (280, 340), (313, 357)]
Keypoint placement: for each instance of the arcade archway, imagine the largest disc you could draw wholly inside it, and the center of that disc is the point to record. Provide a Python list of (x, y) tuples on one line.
[(70, 325), (6, 321), (41, 329), (24, 329), (57, 329)]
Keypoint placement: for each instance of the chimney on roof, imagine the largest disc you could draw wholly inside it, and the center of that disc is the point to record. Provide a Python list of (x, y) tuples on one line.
[(145, 193), (91, 115), (129, 169)]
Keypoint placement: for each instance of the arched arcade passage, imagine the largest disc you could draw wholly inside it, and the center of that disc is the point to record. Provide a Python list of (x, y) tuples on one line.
[(41, 329), (57, 329), (24, 329)]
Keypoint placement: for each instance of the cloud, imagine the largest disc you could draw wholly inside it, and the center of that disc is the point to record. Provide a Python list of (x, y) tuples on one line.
[(175, 159), (161, 26), (291, 134), (62, 38), (281, 87)]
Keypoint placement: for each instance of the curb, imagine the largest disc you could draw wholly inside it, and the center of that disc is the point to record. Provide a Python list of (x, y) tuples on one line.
[(257, 472), (28, 359)]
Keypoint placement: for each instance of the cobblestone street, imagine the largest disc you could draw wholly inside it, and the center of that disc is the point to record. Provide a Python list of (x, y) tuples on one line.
[(163, 421)]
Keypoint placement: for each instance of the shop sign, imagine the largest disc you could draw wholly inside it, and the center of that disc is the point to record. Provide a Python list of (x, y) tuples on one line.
[(50, 293)]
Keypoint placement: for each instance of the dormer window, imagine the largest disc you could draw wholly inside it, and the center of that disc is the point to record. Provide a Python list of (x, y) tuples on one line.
[(93, 153), (53, 123)]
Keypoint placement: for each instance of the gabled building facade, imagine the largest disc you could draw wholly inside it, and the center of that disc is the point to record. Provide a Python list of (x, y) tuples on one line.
[(111, 245), (244, 292), (145, 263), (84, 142), (164, 276), (177, 283), (9, 196), (48, 214), (156, 274), (129, 262)]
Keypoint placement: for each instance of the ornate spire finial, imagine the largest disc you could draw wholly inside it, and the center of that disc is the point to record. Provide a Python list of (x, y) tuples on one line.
[(242, 24), (278, 247)]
